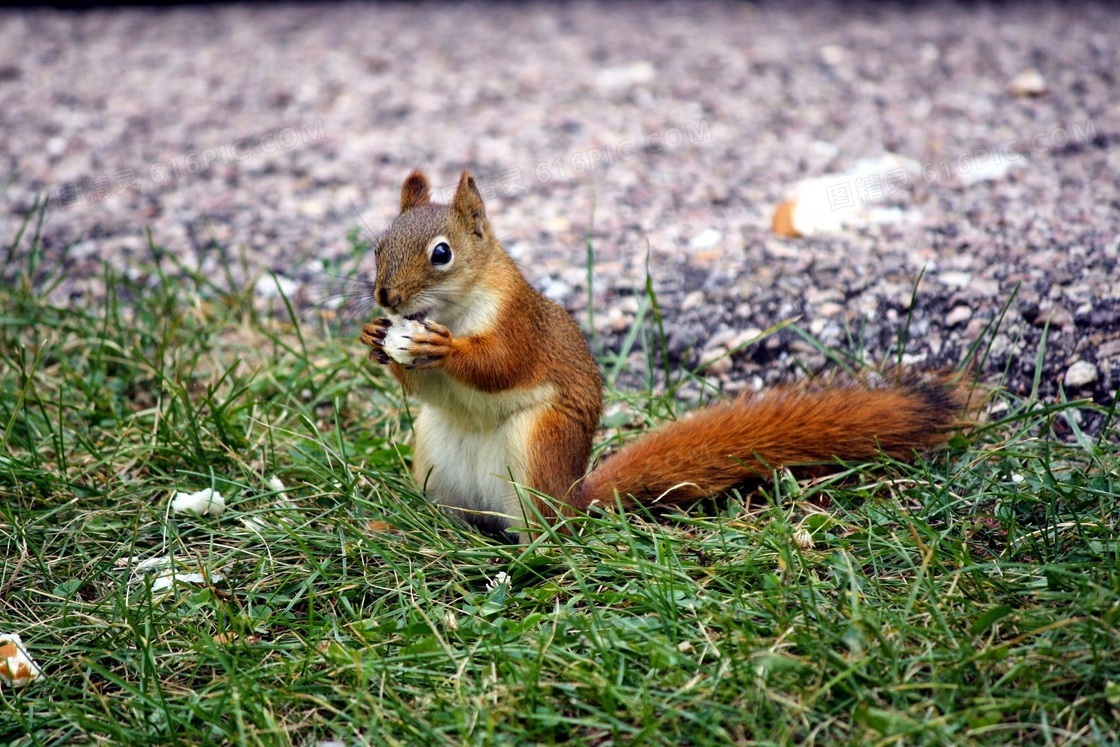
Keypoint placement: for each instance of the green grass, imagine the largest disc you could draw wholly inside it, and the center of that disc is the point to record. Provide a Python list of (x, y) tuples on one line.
[(971, 599)]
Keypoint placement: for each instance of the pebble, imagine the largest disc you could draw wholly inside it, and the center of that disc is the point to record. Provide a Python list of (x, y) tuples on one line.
[(557, 290), (313, 209), (618, 320), (706, 239), (989, 171), (1109, 349), (1060, 318), (270, 286), (742, 337), (683, 338), (974, 328), (692, 300), (721, 337), (955, 279), (57, 147), (958, 315), (833, 55), (819, 295), (613, 78), (628, 305), (1028, 83), (1081, 374), (721, 363)]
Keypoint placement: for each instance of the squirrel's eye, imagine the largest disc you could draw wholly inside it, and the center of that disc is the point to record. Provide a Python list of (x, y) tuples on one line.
[(441, 254)]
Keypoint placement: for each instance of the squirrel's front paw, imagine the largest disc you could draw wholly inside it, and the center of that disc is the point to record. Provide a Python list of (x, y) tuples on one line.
[(416, 344), (373, 335), (430, 345)]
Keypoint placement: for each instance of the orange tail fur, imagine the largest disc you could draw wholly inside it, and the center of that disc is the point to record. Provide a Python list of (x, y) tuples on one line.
[(731, 443)]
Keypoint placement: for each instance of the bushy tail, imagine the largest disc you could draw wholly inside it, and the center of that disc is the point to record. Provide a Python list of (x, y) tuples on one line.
[(732, 443)]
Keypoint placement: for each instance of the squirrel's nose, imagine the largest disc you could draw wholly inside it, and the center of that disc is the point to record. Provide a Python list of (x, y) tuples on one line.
[(387, 298)]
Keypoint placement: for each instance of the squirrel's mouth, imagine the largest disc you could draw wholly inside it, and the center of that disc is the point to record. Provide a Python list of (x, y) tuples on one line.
[(417, 316)]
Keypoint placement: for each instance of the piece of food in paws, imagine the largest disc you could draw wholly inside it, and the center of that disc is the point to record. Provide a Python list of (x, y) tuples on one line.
[(398, 340)]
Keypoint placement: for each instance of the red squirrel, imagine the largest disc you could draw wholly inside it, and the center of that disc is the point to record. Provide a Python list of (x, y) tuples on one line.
[(510, 394)]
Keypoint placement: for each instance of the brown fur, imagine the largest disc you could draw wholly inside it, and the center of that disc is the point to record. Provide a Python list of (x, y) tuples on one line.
[(731, 443)]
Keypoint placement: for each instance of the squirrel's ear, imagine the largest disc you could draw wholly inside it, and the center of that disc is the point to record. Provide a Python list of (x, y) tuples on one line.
[(468, 203), (415, 191)]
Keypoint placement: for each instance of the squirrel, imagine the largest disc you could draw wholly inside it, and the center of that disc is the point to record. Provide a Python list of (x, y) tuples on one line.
[(511, 396)]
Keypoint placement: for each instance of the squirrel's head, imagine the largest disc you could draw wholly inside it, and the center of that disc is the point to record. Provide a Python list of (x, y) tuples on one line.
[(432, 254)]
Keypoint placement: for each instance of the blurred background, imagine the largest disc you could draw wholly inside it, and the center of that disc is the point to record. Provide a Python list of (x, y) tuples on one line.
[(805, 160)]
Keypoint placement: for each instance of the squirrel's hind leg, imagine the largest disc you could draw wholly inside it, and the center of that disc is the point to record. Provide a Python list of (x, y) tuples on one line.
[(558, 459)]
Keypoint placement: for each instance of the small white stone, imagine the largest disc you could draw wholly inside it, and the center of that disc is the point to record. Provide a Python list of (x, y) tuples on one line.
[(693, 300), (824, 149), (958, 315), (56, 146), (1081, 374), (1028, 83), (618, 320), (629, 305), (955, 279), (1110, 349), (1060, 318), (706, 239), (742, 337), (557, 290), (612, 78), (272, 286), (720, 338), (987, 171), (312, 209), (833, 54), (719, 366)]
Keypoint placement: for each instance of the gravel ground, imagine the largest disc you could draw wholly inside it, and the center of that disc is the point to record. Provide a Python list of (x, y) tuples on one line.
[(269, 134)]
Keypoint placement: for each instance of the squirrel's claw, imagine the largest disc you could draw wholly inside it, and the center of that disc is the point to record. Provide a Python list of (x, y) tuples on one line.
[(429, 347), (373, 336), (373, 333)]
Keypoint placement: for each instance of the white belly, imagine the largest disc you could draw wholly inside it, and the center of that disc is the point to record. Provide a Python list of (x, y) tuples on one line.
[(473, 471)]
